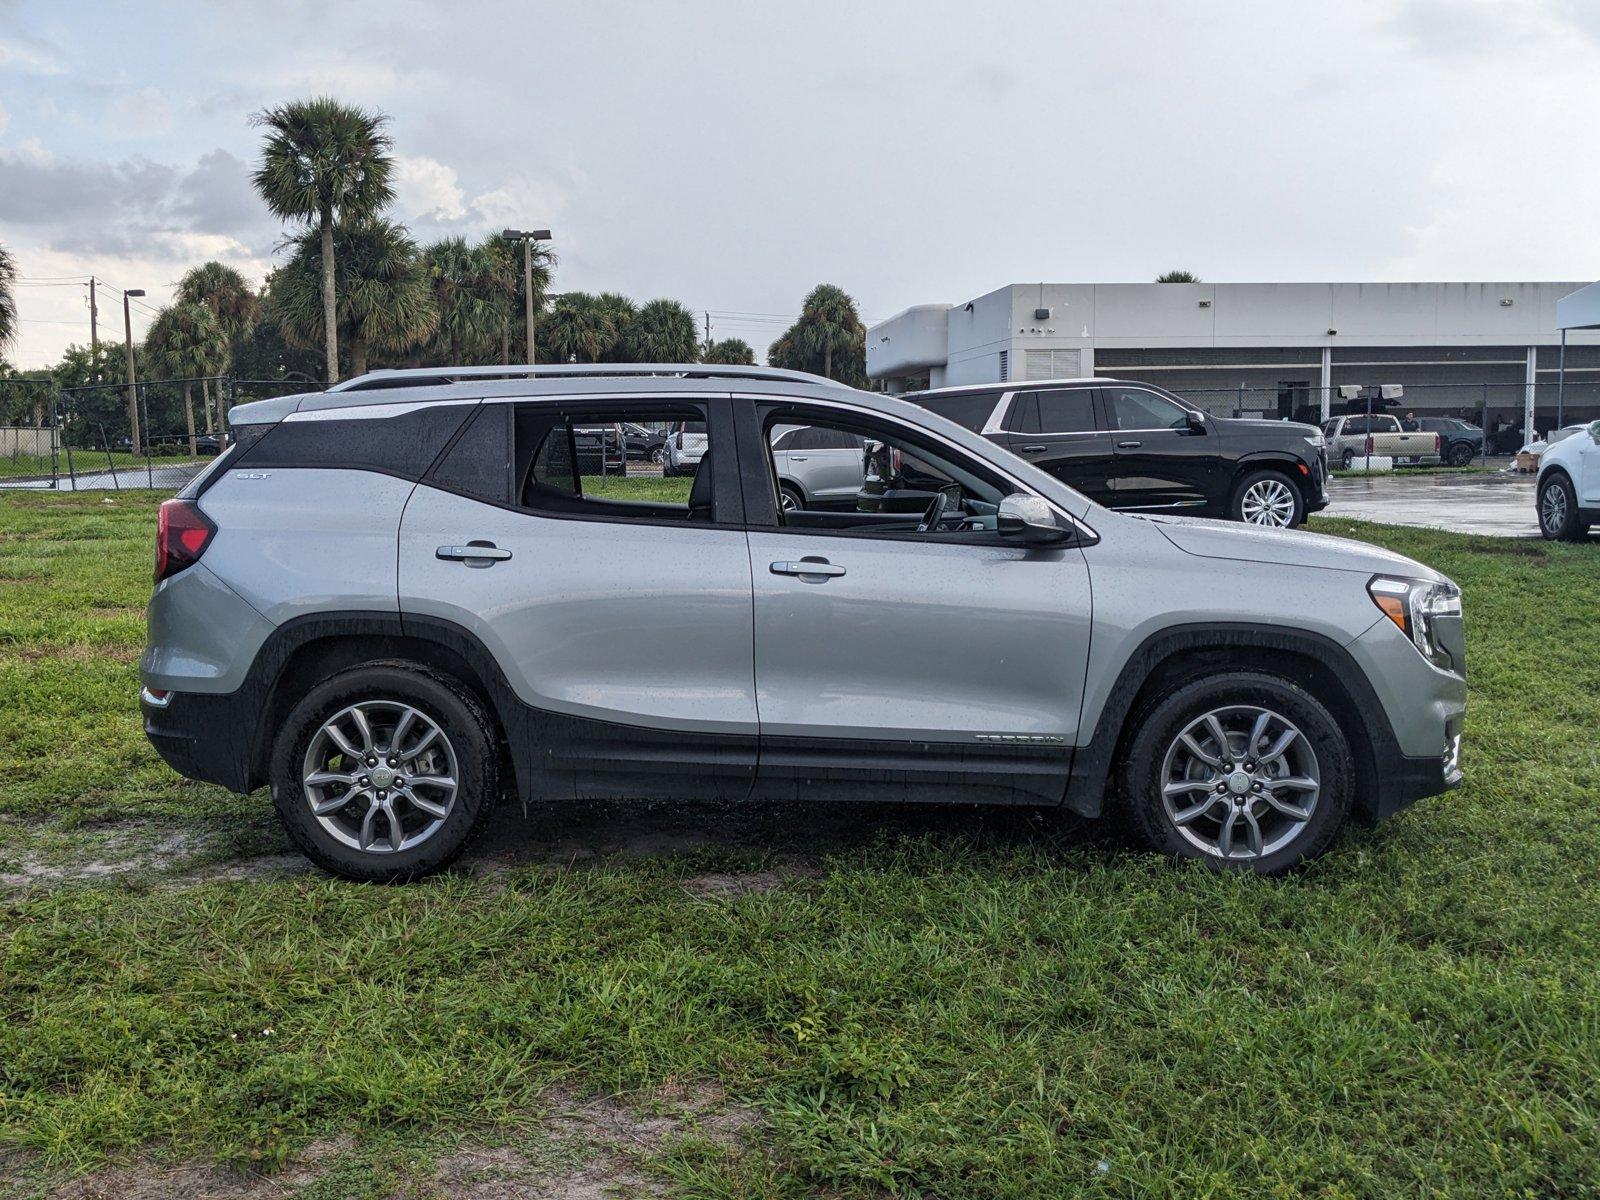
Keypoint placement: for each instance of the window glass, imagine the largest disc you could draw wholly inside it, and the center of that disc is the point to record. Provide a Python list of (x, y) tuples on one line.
[(968, 409), (1066, 410), (570, 461), (1132, 408), (887, 487), (367, 438), (1356, 425), (478, 463)]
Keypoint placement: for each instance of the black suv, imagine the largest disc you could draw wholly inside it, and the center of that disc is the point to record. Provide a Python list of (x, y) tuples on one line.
[(1135, 446)]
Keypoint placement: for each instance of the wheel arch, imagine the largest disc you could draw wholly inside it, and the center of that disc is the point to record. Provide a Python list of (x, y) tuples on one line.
[(301, 652), (1172, 657), (1281, 461)]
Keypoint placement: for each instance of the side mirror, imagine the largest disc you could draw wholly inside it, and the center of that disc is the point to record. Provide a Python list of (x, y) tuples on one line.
[(1029, 519), (1195, 422)]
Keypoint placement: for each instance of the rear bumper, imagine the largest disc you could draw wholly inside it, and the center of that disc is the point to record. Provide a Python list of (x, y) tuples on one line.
[(202, 736)]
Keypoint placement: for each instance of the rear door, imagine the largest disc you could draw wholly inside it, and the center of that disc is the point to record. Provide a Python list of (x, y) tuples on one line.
[(1158, 462), (1058, 430), (621, 621), (828, 464)]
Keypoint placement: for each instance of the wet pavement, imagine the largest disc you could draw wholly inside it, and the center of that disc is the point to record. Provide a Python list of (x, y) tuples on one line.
[(1499, 504)]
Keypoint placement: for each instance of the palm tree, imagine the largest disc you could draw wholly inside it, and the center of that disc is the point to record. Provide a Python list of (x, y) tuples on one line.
[(505, 267), (618, 312), (236, 306), (385, 305), (579, 328), (461, 279), (735, 352), (324, 162), (186, 341), (828, 339), (662, 332), (1178, 277), (8, 299)]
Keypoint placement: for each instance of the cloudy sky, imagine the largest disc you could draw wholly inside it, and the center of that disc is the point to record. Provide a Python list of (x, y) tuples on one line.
[(733, 154)]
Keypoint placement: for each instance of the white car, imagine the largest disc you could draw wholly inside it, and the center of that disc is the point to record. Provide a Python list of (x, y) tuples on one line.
[(817, 467), (686, 446), (1569, 485)]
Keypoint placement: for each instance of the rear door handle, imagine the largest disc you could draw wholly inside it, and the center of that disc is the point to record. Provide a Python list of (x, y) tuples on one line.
[(1035, 449), (1129, 445), (474, 554), (807, 566)]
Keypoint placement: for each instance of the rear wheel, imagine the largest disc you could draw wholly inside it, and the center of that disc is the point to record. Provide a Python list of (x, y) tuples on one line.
[(385, 772), (789, 497), (1559, 518), (1459, 455), (1268, 498), (1242, 771), (1347, 459)]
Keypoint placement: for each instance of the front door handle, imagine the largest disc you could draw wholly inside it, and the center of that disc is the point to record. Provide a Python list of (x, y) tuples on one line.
[(1129, 445), (807, 566), (1035, 449), (474, 554)]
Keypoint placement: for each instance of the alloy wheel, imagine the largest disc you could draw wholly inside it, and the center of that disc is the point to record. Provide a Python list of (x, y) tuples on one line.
[(1240, 782), (380, 776), (1553, 508), (1268, 502)]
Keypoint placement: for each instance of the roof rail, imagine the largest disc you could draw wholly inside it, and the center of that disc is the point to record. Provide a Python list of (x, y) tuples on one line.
[(437, 376)]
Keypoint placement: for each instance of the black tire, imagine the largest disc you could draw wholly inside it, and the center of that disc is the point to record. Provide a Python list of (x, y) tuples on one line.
[(1154, 732), (1559, 519), (1280, 484), (459, 716), (658, 455), (1346, 459), (1459, 455), (792, 494)]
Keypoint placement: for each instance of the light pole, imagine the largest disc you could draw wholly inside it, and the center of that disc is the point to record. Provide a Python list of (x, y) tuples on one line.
[(528, 237), (133, 385)]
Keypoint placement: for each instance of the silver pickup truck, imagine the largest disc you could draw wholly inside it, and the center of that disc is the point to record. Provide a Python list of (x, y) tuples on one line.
[(1350, 438)]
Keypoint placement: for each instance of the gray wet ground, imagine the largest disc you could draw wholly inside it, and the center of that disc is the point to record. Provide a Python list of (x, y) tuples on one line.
[(1498, 504)]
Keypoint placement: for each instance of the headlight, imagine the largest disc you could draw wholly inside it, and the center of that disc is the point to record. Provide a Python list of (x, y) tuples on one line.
[(1316, 441), (1415, 605)]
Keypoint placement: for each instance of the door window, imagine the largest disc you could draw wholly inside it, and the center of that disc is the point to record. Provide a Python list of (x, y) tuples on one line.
[(1136, 409), (557, 460), (900, 479), (1066, 410)]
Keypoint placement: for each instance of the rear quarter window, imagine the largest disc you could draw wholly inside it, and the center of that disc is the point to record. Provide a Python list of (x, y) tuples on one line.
[(362, 439), (971, 411)]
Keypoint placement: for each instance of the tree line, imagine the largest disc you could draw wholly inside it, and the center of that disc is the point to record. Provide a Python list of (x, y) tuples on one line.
[(354, 291)]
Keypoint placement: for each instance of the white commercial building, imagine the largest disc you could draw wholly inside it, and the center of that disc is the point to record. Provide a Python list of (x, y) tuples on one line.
[(1486, 351)]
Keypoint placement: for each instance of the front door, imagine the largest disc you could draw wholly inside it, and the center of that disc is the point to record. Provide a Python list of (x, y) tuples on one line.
[(622, 625), (1159, 463), (912, 665)]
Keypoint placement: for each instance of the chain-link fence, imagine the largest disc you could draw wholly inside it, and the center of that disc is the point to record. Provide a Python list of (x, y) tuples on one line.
[(1499, 409), (155, 433)]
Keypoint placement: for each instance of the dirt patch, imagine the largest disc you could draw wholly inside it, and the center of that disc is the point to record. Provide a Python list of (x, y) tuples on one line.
[(147, 850), (583, 1150), (718, 883)]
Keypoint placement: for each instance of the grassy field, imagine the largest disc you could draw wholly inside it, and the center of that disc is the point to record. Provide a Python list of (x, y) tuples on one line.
[(948, 1002)]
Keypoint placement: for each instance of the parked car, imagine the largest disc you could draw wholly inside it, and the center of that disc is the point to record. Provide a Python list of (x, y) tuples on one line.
[(1459, 441), (392, 670), (1569, 484), (1361, 436), (818, 468), (1136, 447), (599, 448), (644, 445), (686, 444)]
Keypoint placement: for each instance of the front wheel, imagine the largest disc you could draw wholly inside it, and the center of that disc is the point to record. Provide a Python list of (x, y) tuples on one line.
[(1242, 771), (1268, 498), (1559, 518), (385, 772)]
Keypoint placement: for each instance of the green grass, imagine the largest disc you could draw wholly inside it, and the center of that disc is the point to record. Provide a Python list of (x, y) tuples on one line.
[(83, 461), (951, 1003), (638, 487)]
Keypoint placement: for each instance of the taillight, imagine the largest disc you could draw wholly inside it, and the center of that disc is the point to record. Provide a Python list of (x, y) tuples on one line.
[(182, 534), (1436, 443)]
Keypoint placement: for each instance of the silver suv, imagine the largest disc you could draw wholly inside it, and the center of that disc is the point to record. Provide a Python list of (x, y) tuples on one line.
[(401, 600)]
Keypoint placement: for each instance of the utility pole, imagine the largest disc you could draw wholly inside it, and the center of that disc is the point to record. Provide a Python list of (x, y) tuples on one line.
[(94, 321), (708, 331), (133, 383), (528, 237)]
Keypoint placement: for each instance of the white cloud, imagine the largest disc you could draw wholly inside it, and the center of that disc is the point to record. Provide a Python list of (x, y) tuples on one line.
[(145, 112), (426, 188), (5, 118), (28, 60)]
